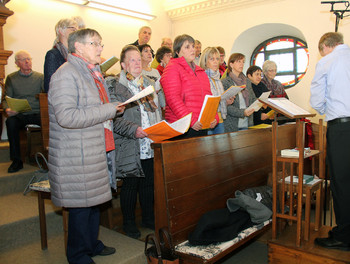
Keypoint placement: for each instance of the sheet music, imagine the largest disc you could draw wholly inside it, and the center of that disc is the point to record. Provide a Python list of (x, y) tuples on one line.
[(288, 106), (148, 90)]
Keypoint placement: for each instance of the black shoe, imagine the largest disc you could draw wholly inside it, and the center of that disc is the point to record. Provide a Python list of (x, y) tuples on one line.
[(332, 243), (15, 166), (107, 251), (131, 231)]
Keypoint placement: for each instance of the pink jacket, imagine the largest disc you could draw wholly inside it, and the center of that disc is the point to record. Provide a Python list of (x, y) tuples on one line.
[(184, 90)]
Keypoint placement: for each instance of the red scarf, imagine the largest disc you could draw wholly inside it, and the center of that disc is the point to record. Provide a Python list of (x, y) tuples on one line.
[(98, 78)]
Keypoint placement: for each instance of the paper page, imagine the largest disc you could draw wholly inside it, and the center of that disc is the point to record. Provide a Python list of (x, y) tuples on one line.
[(209, 109), (148, 90), (163, 130), (288, 106), (232, 91), (18, 105), (257, 104)]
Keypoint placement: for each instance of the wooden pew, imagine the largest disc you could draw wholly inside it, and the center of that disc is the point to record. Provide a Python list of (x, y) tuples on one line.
[(197, 175)]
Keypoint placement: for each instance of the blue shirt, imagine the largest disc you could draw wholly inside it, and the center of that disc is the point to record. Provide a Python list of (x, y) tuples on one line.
[(330, 87)]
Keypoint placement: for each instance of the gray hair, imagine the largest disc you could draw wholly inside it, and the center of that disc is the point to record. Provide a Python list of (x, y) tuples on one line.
[(206, 54), (63, 24), (19, 53), (179, 41), (80, 36), (142, 28), (268, 65), (125, 50)]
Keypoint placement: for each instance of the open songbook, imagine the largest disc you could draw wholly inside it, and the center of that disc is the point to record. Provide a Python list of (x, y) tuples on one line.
[(18, 105), (163, 130), (232, 91), (286, 107), (256, 105), (209, 109), (148, 90)]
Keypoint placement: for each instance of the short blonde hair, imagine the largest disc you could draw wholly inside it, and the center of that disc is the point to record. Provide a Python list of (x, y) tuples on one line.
[(206, 54)]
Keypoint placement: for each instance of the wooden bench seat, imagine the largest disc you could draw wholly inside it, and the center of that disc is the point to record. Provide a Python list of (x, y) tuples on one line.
[(197, 175)]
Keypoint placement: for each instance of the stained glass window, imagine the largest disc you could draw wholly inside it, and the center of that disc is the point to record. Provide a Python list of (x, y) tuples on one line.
[(290, 54)]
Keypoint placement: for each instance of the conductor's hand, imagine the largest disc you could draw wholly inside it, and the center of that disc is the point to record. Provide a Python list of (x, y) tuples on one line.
[(248, 112), (197, 126), (213, 124), (140, 133)]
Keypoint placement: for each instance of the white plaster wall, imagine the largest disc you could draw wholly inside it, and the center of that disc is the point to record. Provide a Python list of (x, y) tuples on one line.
[(32, 27), (309, 17)]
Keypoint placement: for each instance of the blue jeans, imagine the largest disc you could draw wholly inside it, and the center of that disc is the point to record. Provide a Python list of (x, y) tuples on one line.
[(219, 129)]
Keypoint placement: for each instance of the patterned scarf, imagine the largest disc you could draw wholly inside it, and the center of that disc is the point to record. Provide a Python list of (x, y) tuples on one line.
[(62, 49), (146, 101), (239, 81), (217, 89), (276, 88), (98, 78)]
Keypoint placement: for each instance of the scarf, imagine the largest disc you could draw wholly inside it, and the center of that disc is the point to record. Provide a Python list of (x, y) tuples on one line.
[(239, 81), (146, 101), (217, 89), (98, 78), (276, 88), (62, 49)]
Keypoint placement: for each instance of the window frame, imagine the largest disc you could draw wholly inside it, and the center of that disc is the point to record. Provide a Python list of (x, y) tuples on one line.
[(267, 53)]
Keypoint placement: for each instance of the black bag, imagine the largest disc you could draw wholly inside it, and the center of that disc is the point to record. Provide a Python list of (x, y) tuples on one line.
[(39, 175), (160, 253)]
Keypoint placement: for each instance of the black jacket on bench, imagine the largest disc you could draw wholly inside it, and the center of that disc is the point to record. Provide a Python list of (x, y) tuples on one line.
[(219, 226)]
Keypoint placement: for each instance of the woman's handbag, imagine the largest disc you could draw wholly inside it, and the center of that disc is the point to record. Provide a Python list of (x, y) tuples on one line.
[(39, 175), (159, 252)]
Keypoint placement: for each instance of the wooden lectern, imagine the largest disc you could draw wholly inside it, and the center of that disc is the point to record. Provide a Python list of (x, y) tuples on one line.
[(290, 110)]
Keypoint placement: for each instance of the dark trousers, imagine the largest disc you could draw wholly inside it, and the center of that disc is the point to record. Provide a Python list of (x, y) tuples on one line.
[(338, 157), (145, 188), (13, 125), (83, 227)]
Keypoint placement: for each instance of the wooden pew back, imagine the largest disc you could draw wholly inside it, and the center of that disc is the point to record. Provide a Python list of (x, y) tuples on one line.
[(44, 118), (197, 175)]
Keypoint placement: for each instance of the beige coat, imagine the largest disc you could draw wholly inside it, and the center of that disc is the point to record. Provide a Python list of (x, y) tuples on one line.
[(78, 171)]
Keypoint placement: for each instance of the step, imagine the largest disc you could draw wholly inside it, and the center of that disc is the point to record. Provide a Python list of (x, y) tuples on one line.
[(17, 181), (4, 152), (129, 251), (20, 224)]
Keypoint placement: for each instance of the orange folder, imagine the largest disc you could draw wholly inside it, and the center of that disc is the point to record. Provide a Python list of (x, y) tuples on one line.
[(209, 109), (163, 130)]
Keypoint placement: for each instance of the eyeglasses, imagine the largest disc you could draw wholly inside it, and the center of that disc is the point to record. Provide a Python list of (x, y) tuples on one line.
[(24, 59), (95, 44), (72, 28)]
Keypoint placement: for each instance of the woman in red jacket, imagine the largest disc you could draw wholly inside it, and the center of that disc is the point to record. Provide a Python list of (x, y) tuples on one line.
[(185, 86)]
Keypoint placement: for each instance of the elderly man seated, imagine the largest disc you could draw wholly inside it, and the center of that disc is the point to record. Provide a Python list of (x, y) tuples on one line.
[(22, 84)]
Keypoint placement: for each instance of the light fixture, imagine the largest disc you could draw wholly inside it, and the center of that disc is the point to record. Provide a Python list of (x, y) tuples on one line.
[(102, 5)]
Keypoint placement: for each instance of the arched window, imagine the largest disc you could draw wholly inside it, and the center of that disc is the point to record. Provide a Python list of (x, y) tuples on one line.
[(290, 54)]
